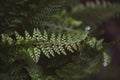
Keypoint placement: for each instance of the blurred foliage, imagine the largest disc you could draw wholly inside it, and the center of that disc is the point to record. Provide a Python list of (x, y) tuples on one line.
[(52, 39)]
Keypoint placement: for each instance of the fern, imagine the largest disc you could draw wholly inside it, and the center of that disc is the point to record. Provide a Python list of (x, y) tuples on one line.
[(28, 12), (37, 43), (85, 63), (50, 45), (94, 13)]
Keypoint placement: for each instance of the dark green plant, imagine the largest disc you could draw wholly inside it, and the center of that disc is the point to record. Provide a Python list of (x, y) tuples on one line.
[(41, 41)]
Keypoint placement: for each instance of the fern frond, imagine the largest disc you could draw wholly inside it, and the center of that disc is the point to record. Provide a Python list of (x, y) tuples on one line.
[(45, 14), (95, 13), (34, 73), (42, 43), (19, 14)]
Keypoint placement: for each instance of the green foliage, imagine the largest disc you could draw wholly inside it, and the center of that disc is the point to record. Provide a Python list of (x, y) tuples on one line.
[(40, 41), (94, 13), (17, 15), (83, 64), (66, 20), (106, 59), (37, 43)]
